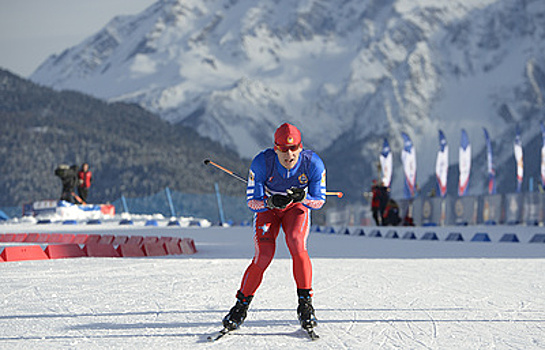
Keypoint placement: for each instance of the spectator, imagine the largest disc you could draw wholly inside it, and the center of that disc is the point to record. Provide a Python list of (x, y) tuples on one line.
[(391, 214), (84, 181), (383, 196), (375, 203), (69, 178)]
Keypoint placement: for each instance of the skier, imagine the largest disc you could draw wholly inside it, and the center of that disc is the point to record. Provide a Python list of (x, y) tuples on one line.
[(284, 183)]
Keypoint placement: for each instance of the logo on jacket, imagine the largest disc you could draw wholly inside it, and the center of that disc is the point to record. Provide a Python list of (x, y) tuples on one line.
[(303, 179)]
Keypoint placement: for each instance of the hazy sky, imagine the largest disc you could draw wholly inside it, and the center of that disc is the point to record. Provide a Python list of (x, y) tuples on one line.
[(32, 30)]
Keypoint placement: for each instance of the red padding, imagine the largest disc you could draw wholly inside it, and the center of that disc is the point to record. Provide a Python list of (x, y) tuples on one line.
[(173, 248), (19, 237), (56, 238), (120, 240), (80, 238), (135, 240), (154, 249), (63, 251), (107, 209), (130, 250), (29, 252), (92, 239), (3, 237), (37, 237), (188, 246), (150, 239), (106, 239), (100, 250), (67, 238), (7, 237), (165, 239)]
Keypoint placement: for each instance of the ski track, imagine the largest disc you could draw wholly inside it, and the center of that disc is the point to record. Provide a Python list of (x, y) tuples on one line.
[(174, 303)]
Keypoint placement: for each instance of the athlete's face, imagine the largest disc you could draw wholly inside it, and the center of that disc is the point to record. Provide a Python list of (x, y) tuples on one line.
[(289, 158)]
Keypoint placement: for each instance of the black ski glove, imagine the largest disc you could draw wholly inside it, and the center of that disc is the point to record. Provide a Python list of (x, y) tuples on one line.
[(278, 201), (297, 194)]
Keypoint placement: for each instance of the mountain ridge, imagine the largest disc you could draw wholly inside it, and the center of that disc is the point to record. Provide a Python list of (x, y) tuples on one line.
[(131, 151), (348, 74)]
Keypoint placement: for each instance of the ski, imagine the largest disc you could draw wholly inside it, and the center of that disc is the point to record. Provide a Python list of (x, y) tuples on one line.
[(311, 333), (218, 335)]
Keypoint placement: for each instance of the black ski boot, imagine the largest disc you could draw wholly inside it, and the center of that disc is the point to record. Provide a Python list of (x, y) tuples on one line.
[(237, 314), (305, 311)]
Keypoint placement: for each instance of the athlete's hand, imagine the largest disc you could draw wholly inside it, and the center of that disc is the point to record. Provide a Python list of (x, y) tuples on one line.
[(296, 194), (278, 201)]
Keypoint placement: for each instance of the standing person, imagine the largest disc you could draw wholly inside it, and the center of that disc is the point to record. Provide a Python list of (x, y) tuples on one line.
[(383, 196), (284, 183), (84, 181), (69, 178), (375, 204)]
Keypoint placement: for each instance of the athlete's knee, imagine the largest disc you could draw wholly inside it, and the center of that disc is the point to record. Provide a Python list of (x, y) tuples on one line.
[(265, 256)]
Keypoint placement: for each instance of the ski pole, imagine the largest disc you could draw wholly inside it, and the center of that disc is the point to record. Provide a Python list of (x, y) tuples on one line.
[(240, 178), (236, 176)]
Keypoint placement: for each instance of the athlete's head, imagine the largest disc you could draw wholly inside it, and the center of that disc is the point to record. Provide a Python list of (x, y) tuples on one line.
[(288, 145)]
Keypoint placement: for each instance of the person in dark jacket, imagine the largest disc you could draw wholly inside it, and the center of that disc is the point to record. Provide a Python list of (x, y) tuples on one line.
[(69, 179)]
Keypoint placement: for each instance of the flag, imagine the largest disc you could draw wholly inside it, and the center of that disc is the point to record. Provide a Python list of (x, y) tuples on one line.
[(517, 146), (490, 165), (408, 159), (386, 163), (441, 165), (543, 156), (464, 164)]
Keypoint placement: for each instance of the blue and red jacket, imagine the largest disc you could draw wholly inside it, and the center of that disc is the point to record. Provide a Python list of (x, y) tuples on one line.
[(267, 176)]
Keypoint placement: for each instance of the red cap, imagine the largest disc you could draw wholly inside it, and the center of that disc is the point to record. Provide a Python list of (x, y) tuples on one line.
[(287, 135)]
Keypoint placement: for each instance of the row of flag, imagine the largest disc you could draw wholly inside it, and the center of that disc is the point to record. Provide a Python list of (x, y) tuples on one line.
[(408, 159)]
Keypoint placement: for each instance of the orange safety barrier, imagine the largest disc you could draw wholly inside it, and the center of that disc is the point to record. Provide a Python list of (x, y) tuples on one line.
[(100, 250), (63, 251), (154, 249), (30, 252), (130, 250)]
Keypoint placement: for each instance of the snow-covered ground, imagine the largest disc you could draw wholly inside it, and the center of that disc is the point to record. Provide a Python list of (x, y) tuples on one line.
[(370, 293)]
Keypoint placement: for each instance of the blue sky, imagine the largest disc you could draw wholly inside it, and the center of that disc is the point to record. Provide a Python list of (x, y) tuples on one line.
[(32, 30)]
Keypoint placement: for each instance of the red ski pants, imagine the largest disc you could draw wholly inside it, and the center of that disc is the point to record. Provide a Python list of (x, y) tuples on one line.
[(295, 222)]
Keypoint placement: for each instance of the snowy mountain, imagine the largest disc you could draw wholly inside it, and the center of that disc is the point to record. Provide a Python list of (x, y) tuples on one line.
[(347, 73)]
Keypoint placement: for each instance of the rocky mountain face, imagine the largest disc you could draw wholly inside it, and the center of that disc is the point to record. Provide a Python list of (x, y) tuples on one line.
[(348, 73)]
